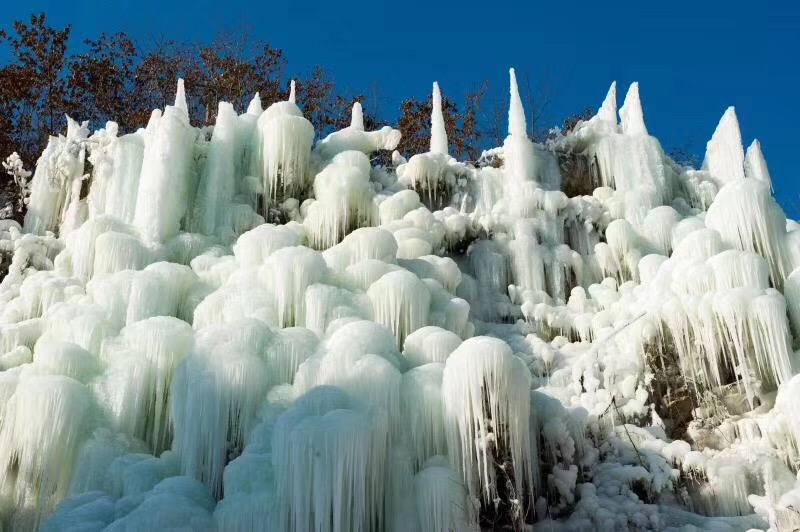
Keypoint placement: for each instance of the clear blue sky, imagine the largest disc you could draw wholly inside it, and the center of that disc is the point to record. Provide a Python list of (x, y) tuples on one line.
[(692, 59)]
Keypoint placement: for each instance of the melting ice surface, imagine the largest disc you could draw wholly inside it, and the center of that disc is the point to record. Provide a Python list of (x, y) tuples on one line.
[(239, 328)]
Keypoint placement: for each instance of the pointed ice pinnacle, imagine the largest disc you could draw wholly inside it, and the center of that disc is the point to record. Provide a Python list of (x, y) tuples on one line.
[(755, 166), (357, 117), (630, 114), (180, 97), (724, 152), (292, 95), (608, 111), (516, 113), (75, 128), (254, 108), (438, 131)]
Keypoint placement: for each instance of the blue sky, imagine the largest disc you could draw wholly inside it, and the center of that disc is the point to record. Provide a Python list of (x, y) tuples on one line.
[(692, 59)]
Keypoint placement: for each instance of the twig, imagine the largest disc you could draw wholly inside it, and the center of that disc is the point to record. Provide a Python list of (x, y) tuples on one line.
[(625, 426)]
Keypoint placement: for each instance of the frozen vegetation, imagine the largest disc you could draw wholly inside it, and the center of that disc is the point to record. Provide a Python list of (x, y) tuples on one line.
[(246, 327)]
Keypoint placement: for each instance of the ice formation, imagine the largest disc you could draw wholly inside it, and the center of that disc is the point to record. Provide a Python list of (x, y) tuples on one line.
[(245, 328), (434, 174)]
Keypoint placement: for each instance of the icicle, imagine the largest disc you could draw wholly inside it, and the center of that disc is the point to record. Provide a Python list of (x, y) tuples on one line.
[(755, 166), (143, 360), (753, 338), (212, 206), (114, 252), (43, 425), (438, 131), (291, 347), (357, 117), (769, 331), (724, 153), (214, 396), (285, 150), (254, 107), (427, 172), (253, 247), (423, 425), (160, 290), (516, 113), (292, 94), (737, 269), (165, 183), (55, 188), (356, 338), (244, 512), (372, 383), (180, 98), (344, 199), (362, 244), (489, 264), (486, 392), (630, 114), (429, 344), (748, 218), (401, 302), (65, 358), (632, 163), (101, 157), (298, 429), (121, 193), (96, 459), (289, 284), (527, 263), (11, 359), (443, 503), (791, 290), (608, 111), (249, 487), (325, 304), (431, 176), (520, 161), (82, 247)]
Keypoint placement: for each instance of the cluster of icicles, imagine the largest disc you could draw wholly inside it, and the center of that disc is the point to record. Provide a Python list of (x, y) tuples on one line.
[(410, 344)]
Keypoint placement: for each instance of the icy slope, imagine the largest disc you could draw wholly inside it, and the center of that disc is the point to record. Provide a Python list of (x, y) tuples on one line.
[(242, 328)]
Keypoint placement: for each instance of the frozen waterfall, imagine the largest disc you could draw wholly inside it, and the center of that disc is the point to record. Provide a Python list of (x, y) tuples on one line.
[(252, 328)]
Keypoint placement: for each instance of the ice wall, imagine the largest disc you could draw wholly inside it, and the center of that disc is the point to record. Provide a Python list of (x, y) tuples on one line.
[(247, 328)]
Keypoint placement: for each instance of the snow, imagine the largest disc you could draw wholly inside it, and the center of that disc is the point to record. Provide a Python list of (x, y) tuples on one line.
[(402, 347)]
